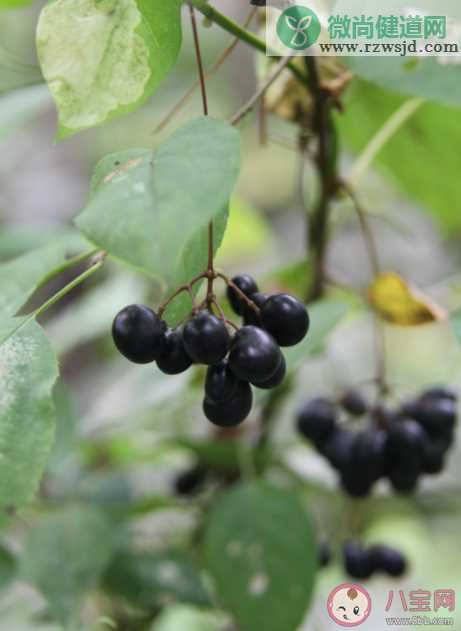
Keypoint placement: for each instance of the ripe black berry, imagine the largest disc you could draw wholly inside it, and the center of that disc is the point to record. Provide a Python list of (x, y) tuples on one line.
[(337, 448), (357, 561), (434, 457), (190, 481), (247, 285), (405, 444), (174, 358), (436, 415), (221, 383), (254, 355), (206, 338), (354, 403), (324, 554), (316, 420), (286, 319), (139, 334), (232, 411), (276, 378), (258, 3), (366, 463), (439, 392), (249, 314), (403, 480), (388, 560)]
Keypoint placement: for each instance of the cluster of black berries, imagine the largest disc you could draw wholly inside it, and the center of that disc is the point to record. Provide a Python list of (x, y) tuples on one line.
[(362, 563), (251, 357), (400, 445)]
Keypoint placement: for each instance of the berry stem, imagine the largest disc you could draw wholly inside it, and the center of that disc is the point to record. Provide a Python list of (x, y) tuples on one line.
[(239, 292), (210, 273), (186, 287)]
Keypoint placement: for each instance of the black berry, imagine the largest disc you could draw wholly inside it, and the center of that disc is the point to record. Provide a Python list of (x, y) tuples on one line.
[(366, 463), (286, 319), (276, 378), (337, 448), (250, 316), (206, 338), (357, 561), (174, 358), (190, 481), (388, 560), (354, 403), (439, 392), (247, 286), (434, 457), (232, 411), (221, 383), (139, 334), (254, 355), (436, 415), (317, 419), (324, 554)]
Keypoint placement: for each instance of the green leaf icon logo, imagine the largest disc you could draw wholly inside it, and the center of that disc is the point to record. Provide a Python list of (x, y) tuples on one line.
[(298, 27)]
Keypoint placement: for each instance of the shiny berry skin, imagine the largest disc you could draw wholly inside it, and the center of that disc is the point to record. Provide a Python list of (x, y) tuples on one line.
[(405, 444), (316, 420), (139, 334), (286, 319), (254, 355), (206, 338), (232, 411), (436, 415), (388, 560), (249, 314), (357, 561), (354, 403), (276, 379), (247, 285), (174, 358), (337, 448), (366, 462), (221, 383)]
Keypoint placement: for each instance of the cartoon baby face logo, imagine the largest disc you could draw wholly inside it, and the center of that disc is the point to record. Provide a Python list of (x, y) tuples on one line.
[(349, 605)]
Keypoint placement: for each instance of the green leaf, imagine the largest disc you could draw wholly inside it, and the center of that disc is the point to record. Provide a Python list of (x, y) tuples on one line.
[(424, 77), (431, 136), (149, 580), (20, 277), (28, 370), (264, 575), (455, 321), (324, 316), (8, 567), (187, 618), (152, 211), (102, 59), (14, 4), (65, 556)]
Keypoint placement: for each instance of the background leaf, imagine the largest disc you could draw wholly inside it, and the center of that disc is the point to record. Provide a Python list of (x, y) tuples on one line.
[(28, 370), (8, 566), (263, 575), (432, 131), (16, 74), (103, 59), (65, 556), (149, 580), (324, 316), (140, 214), (20, 277)]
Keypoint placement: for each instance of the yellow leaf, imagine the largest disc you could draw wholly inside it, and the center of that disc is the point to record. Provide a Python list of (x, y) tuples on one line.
[(399, 303)]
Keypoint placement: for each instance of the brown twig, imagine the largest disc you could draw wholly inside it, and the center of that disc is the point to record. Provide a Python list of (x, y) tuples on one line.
[(368, 238), (326, 166), (243, 111)]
